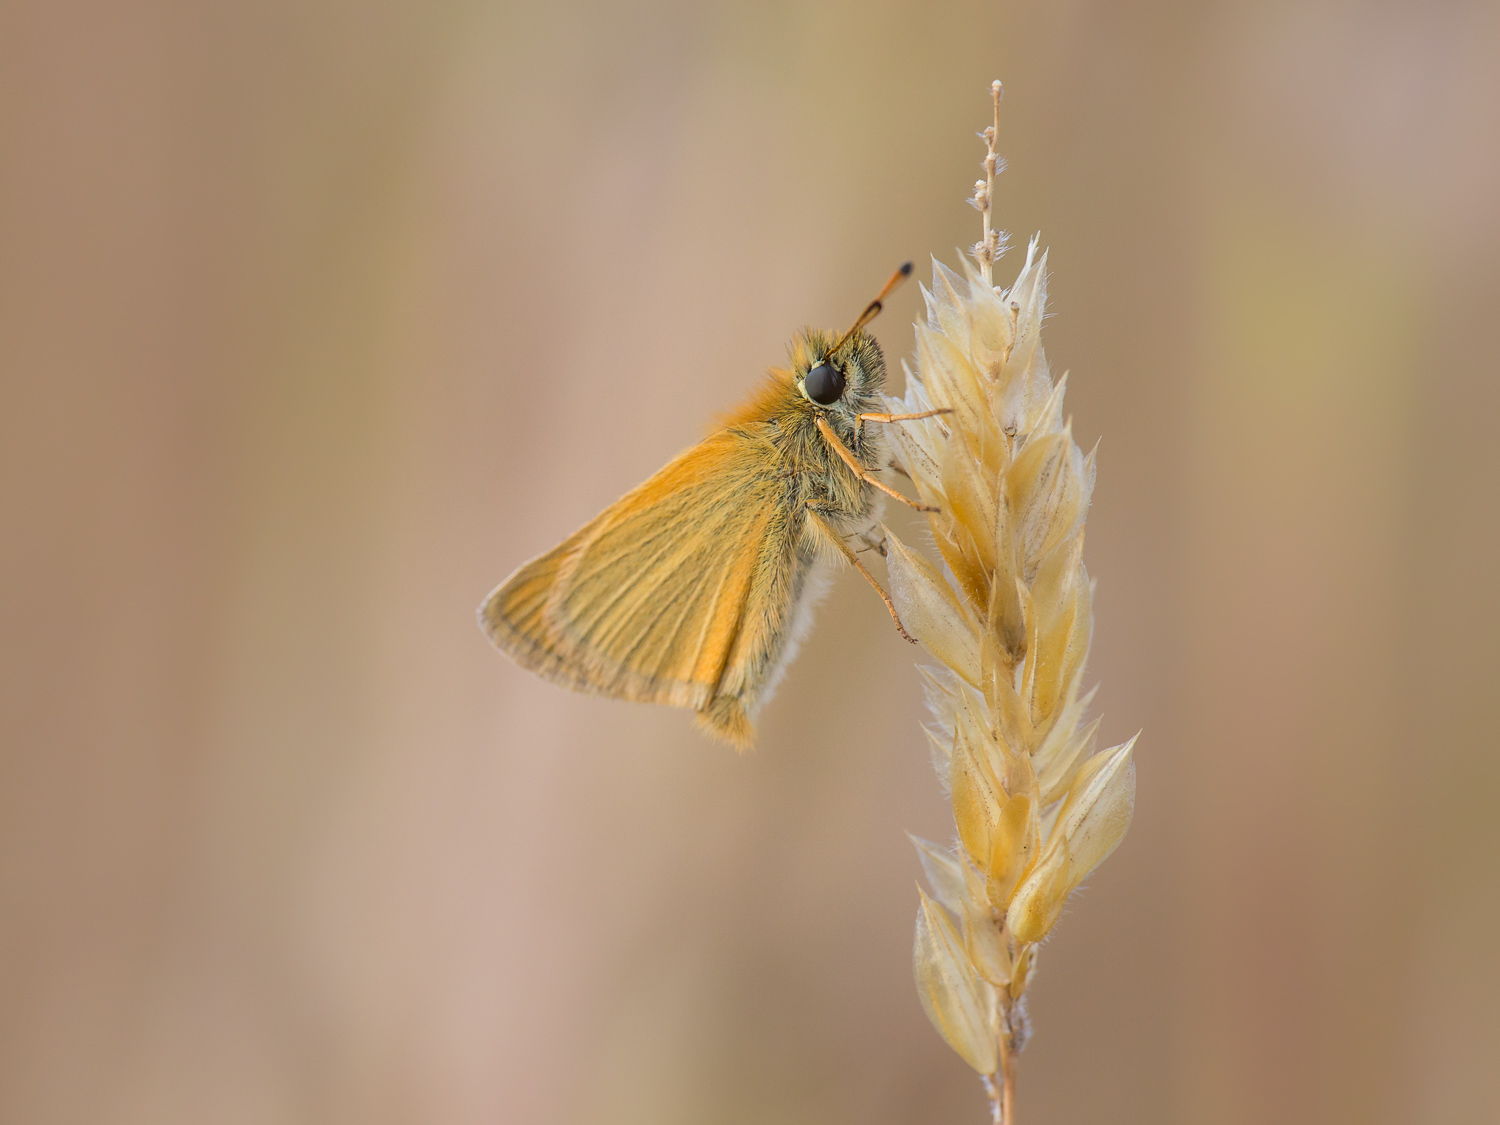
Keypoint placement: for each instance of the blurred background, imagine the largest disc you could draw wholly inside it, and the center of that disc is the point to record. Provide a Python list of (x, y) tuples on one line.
[(318, 318)]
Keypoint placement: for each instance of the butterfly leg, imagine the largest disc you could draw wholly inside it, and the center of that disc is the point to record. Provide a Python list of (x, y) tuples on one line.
[(905, 417), (838, 540), (861, 419), (863, 473)]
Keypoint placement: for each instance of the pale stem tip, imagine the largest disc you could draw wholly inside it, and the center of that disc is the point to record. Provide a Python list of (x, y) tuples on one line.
[(985, 252)]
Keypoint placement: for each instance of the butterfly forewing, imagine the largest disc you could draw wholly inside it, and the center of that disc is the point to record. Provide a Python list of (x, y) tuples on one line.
[(647, 601)]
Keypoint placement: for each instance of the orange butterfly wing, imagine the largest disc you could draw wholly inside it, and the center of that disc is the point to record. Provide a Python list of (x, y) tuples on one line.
[(646, 602)]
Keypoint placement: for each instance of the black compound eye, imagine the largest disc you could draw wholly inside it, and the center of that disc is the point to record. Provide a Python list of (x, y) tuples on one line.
[(824, 384)]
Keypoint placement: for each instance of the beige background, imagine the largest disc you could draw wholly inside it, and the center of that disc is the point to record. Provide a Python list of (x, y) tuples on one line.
[(316, 318)]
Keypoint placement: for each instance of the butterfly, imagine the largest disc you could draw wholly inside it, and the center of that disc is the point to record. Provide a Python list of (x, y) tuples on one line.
[(696, 588)]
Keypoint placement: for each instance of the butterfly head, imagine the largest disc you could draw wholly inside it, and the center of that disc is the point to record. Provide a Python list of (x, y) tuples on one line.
[(834, 372), (837, 376)]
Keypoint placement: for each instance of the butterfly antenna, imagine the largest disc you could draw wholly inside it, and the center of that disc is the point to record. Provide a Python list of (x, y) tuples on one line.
[(872, 310)]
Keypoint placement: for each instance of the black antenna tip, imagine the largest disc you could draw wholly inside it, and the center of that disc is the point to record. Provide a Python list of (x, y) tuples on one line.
[(905, 270)]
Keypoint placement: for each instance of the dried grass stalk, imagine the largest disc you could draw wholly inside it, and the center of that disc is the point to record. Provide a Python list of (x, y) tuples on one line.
[(1035, 808)]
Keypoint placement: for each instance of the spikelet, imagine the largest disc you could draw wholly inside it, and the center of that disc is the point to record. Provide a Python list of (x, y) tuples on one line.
[(1034, 806)]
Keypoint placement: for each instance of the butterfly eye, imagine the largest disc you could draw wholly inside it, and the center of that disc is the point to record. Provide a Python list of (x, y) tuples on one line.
[(824, 384)]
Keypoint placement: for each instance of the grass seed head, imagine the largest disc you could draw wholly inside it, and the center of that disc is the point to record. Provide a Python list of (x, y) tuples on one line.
[(1035, 807)]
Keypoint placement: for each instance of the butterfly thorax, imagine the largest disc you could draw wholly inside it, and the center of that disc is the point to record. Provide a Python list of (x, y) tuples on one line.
[(785, 419)]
